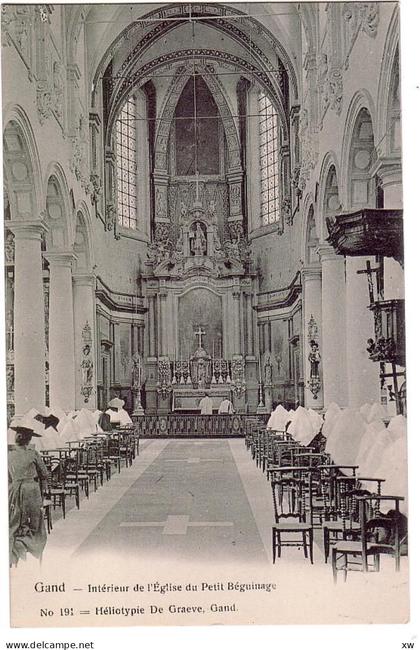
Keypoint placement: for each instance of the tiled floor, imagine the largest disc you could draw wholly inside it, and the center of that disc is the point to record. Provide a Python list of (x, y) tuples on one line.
[(200, 510), (181, 498)]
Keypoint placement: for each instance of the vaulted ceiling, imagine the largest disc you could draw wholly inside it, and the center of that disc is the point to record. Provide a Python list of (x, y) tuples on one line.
[(134, 43)]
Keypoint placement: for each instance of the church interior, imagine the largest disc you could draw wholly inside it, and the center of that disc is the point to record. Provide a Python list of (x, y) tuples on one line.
[(204, 202)]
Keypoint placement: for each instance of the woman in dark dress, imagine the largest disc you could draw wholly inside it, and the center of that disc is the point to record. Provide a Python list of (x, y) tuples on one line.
[(27, 473)]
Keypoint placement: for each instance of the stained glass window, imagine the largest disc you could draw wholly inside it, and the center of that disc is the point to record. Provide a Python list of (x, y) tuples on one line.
[(127, 165), (269, 153)]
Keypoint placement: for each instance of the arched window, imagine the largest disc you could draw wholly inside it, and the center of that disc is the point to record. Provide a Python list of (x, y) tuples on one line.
[(362, 152), (126, 145), (269, 155), (197, 130)]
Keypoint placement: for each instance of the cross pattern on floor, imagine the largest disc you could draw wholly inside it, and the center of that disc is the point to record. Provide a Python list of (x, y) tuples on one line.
[(175, 524), (193, 460)]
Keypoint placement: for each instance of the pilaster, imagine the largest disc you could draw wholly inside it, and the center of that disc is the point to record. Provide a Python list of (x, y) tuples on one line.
[(29, 317), (61, 330)]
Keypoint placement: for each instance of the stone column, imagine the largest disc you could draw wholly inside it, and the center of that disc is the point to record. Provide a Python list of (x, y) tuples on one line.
[(260, 328), (151, 368), (61, 331), (117, 352), (84, 313), (29, 317), (152, 327), (312, 309), (333, 336), (362, 373), (268, 336), (141, 340), (171, 325), (163, 325), (236, 322), (392, 188), (146, 349), (249, 328)]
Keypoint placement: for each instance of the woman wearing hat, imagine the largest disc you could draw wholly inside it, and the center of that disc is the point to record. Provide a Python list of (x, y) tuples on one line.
[(27, 473)]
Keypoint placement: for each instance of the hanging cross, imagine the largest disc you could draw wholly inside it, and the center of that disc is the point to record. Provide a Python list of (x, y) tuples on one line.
[(200, 333), (369, 272), (197, 196)]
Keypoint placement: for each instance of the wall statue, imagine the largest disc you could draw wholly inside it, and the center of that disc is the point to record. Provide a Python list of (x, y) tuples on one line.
[(268, 372), (314, 358), (138, 374), (9, 248), (86, 364)]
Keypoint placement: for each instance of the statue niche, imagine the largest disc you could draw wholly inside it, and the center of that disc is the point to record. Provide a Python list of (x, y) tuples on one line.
[(198, 239)]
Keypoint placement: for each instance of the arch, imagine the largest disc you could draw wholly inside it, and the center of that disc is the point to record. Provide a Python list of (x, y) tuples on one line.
[(84, 227), (173, 94), (58, 209), (361, 157), (330, 161), (198, 284), (311, 239), (22, 167), (390, 52), (146, 72), (206, 10), (362, 99), (308, 203)]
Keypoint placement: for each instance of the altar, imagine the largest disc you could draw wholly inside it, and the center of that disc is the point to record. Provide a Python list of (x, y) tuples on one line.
[(199, 375), (186, 398)]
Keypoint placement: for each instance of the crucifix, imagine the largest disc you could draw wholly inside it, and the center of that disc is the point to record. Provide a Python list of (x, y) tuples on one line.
[(197, 196), (200, 333), (369, 272)]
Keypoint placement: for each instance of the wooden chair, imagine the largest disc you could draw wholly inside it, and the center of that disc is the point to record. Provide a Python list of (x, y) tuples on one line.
[(292, 499), (342, 517), (113, 450), (127, 446), (57, 491), (283, 455), (75, 478), (59, 485), (46, 508), (89, 462), (379, 534), (105, 462)]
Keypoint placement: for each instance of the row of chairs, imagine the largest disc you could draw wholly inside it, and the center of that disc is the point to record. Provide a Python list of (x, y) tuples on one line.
[(83, 465), (311, 492)]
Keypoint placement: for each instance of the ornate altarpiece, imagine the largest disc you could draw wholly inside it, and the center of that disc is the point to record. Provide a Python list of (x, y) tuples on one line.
[(200, 283)]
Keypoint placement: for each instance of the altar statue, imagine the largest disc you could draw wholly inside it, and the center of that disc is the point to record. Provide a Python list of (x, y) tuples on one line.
[(198, 240), (201, 373)]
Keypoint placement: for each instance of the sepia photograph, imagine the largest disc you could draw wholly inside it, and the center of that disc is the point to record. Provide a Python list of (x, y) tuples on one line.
[(205, 341)]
